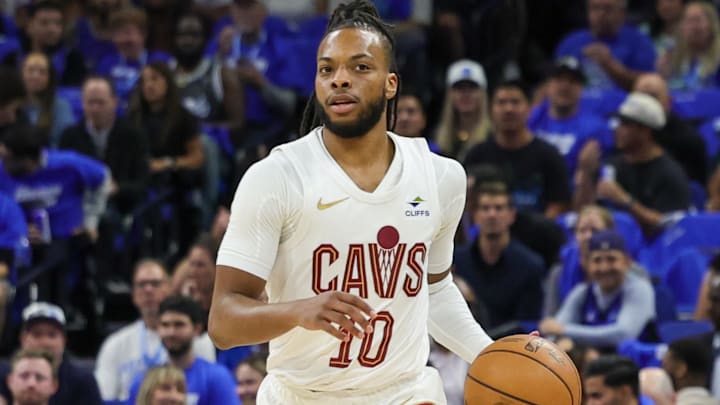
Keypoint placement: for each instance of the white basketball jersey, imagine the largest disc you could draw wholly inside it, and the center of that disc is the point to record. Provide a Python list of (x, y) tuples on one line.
[(373, 245)]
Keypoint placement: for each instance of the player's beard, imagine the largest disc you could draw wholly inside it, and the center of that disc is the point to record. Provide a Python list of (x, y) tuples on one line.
[(368, 118)]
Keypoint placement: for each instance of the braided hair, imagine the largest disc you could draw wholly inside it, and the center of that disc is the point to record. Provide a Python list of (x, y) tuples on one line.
[(360, 14)]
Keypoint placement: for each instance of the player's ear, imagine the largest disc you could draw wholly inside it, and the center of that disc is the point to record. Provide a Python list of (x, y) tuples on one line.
[(391, 85)]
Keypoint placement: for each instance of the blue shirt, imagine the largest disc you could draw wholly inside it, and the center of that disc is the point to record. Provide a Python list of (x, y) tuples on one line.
[(567, 135), (207, 384), (630, 46), (58, 187), (91, 47), (126, 73)]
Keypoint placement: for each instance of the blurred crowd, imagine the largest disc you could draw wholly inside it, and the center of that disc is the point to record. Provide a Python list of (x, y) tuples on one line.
[(589, 130)]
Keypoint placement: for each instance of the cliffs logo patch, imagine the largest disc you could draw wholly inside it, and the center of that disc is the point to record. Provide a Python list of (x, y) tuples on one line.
[(417, 210)]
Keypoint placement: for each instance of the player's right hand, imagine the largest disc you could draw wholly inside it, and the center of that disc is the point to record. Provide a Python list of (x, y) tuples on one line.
[(337, 313)]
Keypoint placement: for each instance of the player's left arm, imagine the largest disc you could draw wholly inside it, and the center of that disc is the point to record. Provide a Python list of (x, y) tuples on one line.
[(450, 321)]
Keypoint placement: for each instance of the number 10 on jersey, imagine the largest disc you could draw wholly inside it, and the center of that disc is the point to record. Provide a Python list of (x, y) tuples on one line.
[(366, 357)]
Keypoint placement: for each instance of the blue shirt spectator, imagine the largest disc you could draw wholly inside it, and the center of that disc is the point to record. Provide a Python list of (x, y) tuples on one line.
[(611, 53)]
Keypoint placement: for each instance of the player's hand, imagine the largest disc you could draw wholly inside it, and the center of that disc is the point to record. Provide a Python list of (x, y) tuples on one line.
[(336, 313)]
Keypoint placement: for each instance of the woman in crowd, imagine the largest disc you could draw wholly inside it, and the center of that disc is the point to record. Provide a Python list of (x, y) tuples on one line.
[(42, 106), (693, 62), (163, 385), (465, 119), (249, 374)]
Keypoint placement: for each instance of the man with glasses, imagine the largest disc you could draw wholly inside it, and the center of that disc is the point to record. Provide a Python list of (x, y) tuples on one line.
[(137, 347)]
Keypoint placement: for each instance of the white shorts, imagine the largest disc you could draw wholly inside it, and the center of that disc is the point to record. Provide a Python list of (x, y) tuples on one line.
[(425, 389)]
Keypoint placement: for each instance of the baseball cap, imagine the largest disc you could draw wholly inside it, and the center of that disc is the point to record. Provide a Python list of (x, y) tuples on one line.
[(466, 70), (642, 109), (568, 65), (607, 240), (43, 311)]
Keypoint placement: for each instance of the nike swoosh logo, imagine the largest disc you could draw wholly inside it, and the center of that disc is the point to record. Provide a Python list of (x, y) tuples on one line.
[(323, 206)]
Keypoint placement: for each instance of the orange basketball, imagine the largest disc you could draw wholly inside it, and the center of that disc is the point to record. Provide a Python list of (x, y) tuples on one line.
[(523, 369)]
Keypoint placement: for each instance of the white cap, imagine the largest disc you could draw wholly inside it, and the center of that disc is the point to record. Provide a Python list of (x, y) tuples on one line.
[(466, 70), (642, 109)]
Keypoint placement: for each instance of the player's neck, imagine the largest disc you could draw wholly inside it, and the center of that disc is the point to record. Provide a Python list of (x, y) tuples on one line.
[(365, 159)]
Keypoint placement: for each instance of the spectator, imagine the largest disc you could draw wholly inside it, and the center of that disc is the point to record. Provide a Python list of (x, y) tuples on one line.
[(176, 150), (195, 276), (702, 309), (33, 378), (208, 383), (123, 66), (92, 31), (42, 106), (163, 16), (613, 305), (249, 374), (259, 56), (465, 121), (611, 53), (655, 384), (45, 34), (689, 364), (693, 62), (574, 257), (112, 140), (497, 266), (561, 121), (678, 137), (534, 168), (14, 253), (136, 347), (209, 90), (12, 94), (411, 117), (164, 385), (611, 379), (44, 329), (62, 195), (665, 25), (710, 339), (643, 180)]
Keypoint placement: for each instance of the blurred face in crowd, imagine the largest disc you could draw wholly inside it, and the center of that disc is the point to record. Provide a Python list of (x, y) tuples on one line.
[(510, 110), (31, 381), (466, 97), (696, 28), (630, 136), (189, 40), (45, 336), (154, 85), (169, 393), (99, 103), (248, 16), (605, 17), (353, 82), (410, 117), (36, 72), (202, 271), (607, 268), (564, 91), (46, 27), (177, 332), (150, 287), (597, 393), (494, 214), (669, 10), (129, 41), (587, 224), (654, 85), (248, 383)]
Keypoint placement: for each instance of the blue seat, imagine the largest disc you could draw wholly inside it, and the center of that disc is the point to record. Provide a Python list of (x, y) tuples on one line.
[(665, 306), (698, 196), (710, 132), (698, 106), (674, 330), (683, 275), (73, 95), (643, 354)]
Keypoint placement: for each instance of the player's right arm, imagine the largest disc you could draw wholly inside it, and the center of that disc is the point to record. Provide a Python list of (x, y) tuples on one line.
[(262, 215)]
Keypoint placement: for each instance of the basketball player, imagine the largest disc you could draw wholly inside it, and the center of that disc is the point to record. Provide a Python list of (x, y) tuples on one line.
[(350, 230)]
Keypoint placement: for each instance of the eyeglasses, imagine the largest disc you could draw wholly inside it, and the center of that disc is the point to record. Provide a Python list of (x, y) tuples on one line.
[(148, 283)]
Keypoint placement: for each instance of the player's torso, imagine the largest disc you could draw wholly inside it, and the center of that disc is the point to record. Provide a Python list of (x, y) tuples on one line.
[(373, 245)]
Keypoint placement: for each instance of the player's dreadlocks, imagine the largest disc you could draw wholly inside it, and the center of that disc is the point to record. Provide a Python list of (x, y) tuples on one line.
[(363, 15)]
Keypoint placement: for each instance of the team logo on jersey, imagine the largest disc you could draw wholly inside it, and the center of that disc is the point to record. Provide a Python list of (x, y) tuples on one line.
[(416, 210)]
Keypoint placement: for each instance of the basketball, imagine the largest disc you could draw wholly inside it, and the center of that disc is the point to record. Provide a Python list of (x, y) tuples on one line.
[(522, 369)]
